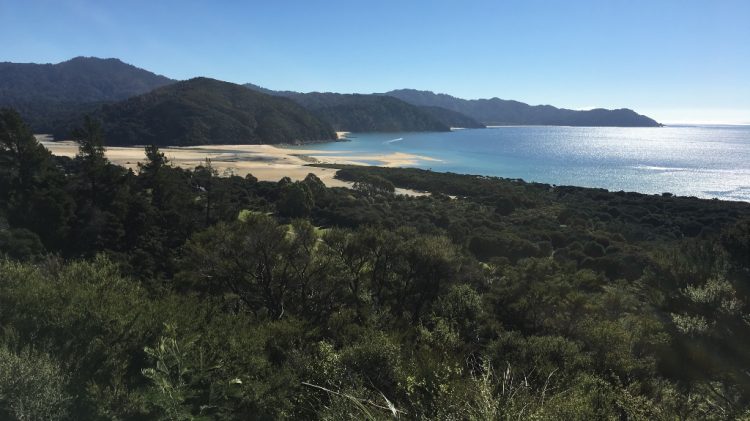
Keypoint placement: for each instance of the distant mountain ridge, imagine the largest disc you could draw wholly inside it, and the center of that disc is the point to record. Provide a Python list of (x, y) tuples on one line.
[(44, 93), (374, 113), (81, 79), (496, 111), (205, 111), (361, 112), (52, 96)]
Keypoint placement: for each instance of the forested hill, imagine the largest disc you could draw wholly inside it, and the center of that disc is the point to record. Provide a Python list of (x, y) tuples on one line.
[(50, 95), (497, 111), (368, 113), (46, 92), (205, 111), (374, 113), (452, 118)]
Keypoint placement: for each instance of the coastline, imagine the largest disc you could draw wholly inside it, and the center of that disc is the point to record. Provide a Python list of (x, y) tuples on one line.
[(635, 161), (265, 162)]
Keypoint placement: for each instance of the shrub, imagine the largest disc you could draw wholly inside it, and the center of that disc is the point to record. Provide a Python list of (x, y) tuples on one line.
[(20, 244), (32, 386)]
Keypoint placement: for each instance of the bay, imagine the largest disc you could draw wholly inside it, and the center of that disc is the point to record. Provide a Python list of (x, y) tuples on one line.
[(700, 161)]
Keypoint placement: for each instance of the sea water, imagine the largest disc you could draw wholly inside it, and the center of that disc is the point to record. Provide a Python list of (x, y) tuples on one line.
[(701, 161)]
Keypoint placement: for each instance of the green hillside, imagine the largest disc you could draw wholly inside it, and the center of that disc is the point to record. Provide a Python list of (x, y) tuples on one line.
[(205, 111), (374, 113), (368, 113)]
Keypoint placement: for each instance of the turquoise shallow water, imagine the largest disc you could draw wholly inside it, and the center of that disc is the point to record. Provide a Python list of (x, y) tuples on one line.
[(701, 161)]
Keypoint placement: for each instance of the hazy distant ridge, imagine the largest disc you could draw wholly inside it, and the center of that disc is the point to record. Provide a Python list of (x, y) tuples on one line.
[(44, 93), (496, 111), (81, 79)]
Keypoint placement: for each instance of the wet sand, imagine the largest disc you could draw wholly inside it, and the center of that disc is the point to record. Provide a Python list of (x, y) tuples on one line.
[(265, 162)]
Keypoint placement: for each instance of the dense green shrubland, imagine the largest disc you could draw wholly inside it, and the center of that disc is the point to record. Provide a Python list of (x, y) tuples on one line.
[(173, 294)]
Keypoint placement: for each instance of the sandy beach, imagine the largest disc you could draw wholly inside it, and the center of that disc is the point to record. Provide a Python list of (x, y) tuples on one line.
[(265, 162)]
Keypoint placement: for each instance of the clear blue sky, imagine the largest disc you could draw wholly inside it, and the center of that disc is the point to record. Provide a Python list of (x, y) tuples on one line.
[(674, 60)]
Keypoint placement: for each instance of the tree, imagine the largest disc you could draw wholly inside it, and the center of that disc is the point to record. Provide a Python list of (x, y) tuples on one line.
[(373, 185), (296, 201), (31, 186), (91, 154), (430, 265), (256, 259), (204, 181), (315, 185), (504, 206), (155, 161), (736, 240), (20, 244), (351, 254), (23, 160), (151, 174)]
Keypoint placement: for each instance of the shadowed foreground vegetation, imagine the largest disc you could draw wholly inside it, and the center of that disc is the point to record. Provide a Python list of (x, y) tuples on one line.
[(173, 294)]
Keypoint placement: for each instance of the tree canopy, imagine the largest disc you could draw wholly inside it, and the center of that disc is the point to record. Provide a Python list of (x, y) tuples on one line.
[(180, 294)]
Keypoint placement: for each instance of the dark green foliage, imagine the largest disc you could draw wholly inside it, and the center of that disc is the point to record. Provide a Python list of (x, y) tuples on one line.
[(90, 156), (20, 244), (368, 113), (509, 246), (461, 308), (254, 259), (205, 111), (373, 185), (32, 386), (593, 249), (736, 240), (23, 159), (31, 185), (180, 294), (497, 111), (452, 118), (373, 113), (296, 201), (504, 206)]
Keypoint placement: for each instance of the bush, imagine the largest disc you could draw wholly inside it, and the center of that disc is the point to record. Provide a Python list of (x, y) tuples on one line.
[(376, 361), (593, 249), (20, 244), (32, 386), (296, 201), (461, 307), (504, 206), (736, 240)]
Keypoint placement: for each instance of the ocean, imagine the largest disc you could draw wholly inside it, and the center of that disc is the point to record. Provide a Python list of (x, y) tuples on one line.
[(700, 161)]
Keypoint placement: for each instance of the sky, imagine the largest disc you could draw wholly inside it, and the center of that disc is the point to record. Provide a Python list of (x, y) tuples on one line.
[(683, 61)]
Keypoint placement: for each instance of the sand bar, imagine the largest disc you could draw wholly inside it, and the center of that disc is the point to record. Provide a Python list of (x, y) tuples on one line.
[(265, 162)]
